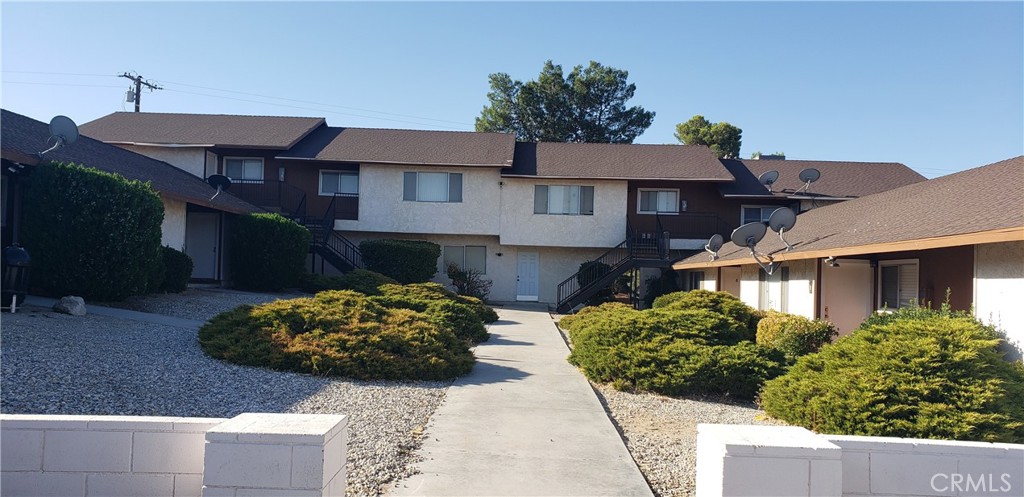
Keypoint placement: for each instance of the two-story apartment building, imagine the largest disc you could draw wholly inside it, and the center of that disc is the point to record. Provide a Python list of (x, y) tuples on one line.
[(525, 214)]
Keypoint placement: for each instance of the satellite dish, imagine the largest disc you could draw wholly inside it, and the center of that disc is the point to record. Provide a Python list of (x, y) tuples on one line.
[(749, 234), (714, 245), (781, 220), (768, 178), (220, 182), (808, 176), (63, 131)]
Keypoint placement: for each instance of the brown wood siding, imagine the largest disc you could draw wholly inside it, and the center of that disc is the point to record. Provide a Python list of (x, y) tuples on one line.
[(703, 201), (306, 176), (939, 269)]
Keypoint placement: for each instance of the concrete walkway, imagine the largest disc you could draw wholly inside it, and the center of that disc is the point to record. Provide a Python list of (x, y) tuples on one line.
[(524, 422)]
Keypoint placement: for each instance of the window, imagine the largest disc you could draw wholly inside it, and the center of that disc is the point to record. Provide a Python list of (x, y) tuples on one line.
[(658, 202), (897, 281), (433, 187), (467, 257), (345, 182), (243, 169), (694, 280), (757, 213), (563, 199)]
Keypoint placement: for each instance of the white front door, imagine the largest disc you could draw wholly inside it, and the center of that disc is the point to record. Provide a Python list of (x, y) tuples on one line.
[(201, 243), (527, 276)]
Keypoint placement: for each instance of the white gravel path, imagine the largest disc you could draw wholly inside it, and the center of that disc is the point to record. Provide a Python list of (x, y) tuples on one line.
[(58, 364)]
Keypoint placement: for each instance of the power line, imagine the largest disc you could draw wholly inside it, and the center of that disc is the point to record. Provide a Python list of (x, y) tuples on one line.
[(58, 84)]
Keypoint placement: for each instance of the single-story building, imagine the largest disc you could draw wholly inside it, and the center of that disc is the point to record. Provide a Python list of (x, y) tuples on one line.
[(961, 234)]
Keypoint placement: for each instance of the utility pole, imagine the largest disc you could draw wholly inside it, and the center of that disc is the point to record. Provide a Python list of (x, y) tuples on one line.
[(139, 83)]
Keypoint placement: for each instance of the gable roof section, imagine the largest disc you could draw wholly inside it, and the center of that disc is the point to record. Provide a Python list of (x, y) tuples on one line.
[(404, 146), (838, 179), (23, 137), (263, 132), (980, 205), (617, 161)]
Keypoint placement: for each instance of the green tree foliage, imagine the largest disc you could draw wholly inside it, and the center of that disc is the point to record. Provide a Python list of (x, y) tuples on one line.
[(404, 260), (723, 138), (588, 105), (920, 374), (338, 333), (268, 252), (91, 233)]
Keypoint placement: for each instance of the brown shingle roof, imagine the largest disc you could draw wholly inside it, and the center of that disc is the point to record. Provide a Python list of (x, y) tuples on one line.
[(269, 132), (983, 199), (403, 146), (23, 137), (838, 179), (623, 161)]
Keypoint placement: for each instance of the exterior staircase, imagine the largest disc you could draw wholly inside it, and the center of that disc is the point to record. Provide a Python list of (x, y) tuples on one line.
[(647, 250), (290, 201)]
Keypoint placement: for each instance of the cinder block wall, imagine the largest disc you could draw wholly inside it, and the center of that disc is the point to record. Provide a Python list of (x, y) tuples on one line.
[(739, 460), (102, 455)]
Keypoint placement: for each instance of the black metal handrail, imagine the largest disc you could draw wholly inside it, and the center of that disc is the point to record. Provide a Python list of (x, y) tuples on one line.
[(597, 269), (344, 248)]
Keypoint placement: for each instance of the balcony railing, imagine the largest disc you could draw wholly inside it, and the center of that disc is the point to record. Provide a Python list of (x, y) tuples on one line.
[(690, 225), (271, 194)]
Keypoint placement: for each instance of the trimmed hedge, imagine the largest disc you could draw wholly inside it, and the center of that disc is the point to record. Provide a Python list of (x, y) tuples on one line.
[(359, 280), (338, 333), (671, 351), (793, 335), (177, 270), (464, 316), (929, 375), (91, 233), (405, 261), (268, 252), (720, 302)]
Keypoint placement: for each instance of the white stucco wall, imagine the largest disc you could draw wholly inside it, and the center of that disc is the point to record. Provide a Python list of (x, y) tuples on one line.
[(381, 208), (750, 289), (173, 228), (520, 226), (801, 288), (999, 286), (190, 159)]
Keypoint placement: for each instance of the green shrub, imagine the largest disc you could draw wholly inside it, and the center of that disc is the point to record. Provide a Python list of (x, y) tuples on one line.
[(591, 271), (177, 270), (359, 280), (673, 351), (268, 252), (721, 302), (405, 261), (91, 233), (660, 285), (922, 375), (337, 333), (464, 316), (793, 335)]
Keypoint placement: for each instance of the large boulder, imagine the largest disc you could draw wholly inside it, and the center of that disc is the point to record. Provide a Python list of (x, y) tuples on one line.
[(72, 305)]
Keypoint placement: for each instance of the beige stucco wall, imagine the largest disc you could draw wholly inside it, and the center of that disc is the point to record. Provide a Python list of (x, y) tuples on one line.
[(520, 226), (173, 228), (999, 286), (190, 159), (381, 208), (750, 289)]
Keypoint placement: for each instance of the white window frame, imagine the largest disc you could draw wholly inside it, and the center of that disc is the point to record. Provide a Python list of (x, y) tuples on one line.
[(917, 284), (462, 265), (447, 193), (679, 202), (262, 167), (579, 200), (764, 219), (342, 172)]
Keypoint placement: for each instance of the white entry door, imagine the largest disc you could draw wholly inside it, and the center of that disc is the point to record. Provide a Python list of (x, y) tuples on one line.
[(528, 276), (201, 243)]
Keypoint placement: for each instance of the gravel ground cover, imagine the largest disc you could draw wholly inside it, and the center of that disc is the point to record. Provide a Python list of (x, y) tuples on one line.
[(58, 364), (661, 432)]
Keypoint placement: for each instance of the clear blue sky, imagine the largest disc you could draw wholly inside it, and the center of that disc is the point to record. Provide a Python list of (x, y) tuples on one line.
[(936, 86)]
